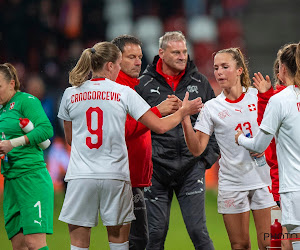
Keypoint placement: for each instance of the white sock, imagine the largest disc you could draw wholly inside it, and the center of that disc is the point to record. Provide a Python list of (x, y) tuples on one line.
[(119, 246), (78, 248), (296, 245)]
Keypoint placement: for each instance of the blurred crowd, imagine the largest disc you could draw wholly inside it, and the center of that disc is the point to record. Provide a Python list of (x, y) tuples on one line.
[(43, 39)]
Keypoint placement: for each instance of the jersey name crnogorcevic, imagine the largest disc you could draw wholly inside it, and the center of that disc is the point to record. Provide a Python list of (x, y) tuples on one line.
[(98, 112), (237, 171), (282, 119)]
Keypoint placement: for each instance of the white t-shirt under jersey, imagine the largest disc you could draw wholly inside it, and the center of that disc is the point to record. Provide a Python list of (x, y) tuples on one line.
[(98, 112), (282, 119), (238, 171)]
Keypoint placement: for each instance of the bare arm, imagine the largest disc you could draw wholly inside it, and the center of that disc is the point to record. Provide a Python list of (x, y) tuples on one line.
[(68, 131), (162, 125), (196, 141), (258, 144)]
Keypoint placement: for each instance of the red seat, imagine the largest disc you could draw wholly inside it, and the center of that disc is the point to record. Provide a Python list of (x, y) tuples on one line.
[(234, 6), (203, 56), (233, 43), (228, 29), (174, 23)]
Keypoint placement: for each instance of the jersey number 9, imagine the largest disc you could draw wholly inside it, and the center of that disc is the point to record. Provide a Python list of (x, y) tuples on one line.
[(98, 131)]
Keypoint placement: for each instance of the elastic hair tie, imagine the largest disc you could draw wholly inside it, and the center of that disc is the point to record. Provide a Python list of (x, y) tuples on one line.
[(93, 51)]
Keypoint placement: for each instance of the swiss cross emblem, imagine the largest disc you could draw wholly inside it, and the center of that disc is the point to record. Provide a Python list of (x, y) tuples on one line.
[(12, 105), (223, 114), (251, 107), (229, 203), (298, 106)]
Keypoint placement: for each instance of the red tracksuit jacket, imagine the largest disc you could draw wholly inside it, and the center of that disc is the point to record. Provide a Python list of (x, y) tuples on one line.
[(138, 141), (270, 152)]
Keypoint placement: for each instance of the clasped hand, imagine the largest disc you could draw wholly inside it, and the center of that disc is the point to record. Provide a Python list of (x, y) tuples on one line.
[(5, 147)]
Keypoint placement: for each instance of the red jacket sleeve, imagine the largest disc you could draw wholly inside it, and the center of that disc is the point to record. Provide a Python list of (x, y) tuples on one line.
[(270, 152), (271, 158), (134, 129), (262, 103)]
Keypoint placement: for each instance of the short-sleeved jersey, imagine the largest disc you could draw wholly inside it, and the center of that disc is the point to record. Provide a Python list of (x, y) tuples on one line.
[(238, 170), (28, 157), (98, 110), (282, 119)]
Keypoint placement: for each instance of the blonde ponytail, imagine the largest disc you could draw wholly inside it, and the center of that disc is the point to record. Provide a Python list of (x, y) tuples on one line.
[(82, 69), (297, 57), (93, 59), (245, 78)]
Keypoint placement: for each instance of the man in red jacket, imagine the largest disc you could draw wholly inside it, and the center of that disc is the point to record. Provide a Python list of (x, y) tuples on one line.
[(138, 138)]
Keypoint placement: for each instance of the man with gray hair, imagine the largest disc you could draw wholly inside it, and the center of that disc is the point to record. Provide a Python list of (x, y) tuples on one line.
[(175, 169)]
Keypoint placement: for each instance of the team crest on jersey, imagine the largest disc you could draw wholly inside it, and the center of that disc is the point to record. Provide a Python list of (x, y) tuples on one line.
[(251, 107), (298, 106), (192, 88), (12, 105), (223, 114)]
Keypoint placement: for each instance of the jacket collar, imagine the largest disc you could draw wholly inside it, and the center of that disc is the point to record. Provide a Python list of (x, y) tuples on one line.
[(173, 81), (151, 68), (126, 80)]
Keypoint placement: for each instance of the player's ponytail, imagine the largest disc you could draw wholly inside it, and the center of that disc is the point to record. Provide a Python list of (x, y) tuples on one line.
[(297, 75), (277, 81), (82, 69), (242, 62), (93, 59), (288, 57)]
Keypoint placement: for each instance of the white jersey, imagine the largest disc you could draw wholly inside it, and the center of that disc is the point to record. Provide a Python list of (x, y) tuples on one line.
[(97, 110), (238, 171), (282, 119)]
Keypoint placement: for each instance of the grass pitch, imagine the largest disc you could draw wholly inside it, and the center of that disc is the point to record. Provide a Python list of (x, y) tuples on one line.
[(177, 238)]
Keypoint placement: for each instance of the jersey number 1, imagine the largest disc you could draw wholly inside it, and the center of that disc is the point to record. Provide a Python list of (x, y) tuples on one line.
[(98, 131)]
